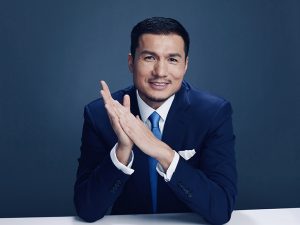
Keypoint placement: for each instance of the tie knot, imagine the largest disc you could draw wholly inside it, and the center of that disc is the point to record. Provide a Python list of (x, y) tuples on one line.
[(154, 119)]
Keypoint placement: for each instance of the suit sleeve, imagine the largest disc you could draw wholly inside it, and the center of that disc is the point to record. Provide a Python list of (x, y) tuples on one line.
[(98, 182), (210, 190)]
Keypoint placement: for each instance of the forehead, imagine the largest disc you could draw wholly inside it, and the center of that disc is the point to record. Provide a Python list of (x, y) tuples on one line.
[(161, 43)]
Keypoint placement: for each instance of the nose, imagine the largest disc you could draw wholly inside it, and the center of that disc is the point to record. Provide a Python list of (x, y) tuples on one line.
[(160, 69)]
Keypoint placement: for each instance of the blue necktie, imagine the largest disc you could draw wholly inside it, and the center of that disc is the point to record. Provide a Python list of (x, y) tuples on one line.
[(154, 119)]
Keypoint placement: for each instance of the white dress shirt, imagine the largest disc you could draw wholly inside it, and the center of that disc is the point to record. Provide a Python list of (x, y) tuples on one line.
[(145, 112)]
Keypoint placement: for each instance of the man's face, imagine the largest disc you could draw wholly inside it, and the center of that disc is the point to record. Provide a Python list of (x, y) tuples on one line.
[(158, 67)]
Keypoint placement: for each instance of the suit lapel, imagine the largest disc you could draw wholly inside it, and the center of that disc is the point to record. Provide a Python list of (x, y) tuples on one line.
[(175, 125)]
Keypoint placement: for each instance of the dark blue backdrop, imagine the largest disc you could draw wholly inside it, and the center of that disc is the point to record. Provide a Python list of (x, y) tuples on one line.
[(53, 53)]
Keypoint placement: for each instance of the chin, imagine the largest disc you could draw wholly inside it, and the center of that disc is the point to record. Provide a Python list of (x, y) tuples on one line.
[(158, 99)]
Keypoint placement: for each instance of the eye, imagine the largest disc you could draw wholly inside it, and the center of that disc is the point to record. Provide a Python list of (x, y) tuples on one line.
[(149, 58), (173, 60)]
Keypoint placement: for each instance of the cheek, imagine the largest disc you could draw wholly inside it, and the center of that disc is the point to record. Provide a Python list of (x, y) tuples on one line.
[(142, 71), (177, 71), (178, 75), (139, 77)]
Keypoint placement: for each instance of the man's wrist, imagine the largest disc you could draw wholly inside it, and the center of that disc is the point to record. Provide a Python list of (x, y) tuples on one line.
[(165, 157), (167, 174), (126, 169), (123, 154)]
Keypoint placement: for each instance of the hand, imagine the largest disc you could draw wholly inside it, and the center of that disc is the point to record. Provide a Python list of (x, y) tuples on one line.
[(124, 142), (142, 137), (131, 129)]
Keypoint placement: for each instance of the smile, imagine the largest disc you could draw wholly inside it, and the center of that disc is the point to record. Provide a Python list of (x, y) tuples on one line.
[(158, 85)]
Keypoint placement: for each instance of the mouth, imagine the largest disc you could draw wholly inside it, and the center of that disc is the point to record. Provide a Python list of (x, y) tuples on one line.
[(159, 85)]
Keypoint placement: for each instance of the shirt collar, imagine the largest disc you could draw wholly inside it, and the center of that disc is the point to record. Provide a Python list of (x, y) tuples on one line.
[(146, 110)]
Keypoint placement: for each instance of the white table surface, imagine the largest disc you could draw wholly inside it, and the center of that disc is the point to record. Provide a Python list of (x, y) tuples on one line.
[(289, 216)]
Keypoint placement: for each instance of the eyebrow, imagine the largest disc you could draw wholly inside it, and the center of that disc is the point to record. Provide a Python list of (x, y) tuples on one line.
[(153, 53)]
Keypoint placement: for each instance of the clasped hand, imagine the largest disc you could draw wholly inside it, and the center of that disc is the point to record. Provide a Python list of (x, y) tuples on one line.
[(131, 130)]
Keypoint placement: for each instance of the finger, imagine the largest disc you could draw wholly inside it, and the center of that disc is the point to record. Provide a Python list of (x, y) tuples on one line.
[(106, 100), (126, 101), (105, 88), (114, 119), (111, 113), (123, 112), (140, 121), (119, 109), (106, 93)]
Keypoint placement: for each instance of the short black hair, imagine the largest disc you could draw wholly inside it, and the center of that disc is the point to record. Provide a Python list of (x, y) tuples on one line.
[(158, 25)]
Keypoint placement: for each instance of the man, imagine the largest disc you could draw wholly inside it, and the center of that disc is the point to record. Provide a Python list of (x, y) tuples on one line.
[(159, 146)]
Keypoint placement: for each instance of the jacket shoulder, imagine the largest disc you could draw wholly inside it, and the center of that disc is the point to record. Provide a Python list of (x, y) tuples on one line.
[(203, 100)]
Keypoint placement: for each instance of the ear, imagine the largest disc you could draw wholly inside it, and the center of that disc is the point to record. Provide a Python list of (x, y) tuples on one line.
[(130, 62), (186, 64)]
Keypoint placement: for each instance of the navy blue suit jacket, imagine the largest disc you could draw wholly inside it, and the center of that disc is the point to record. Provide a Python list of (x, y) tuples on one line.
[(205, 184)]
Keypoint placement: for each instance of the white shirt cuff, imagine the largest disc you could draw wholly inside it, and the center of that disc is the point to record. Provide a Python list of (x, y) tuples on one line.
[(125, 169), (168, 175)]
